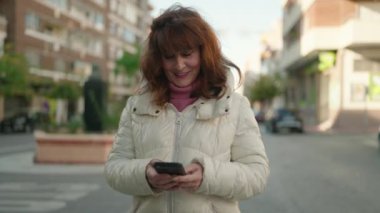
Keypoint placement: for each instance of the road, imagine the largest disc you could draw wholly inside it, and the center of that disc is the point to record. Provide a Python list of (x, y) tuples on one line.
[(309, 173), (320, 173)]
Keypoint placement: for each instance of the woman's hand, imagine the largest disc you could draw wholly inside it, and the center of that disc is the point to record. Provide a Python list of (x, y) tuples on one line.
[(159, 182), (193, 178)]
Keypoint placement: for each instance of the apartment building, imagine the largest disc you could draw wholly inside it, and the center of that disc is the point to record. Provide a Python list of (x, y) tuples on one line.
[(331, 55), (3, 33), (64, 40)]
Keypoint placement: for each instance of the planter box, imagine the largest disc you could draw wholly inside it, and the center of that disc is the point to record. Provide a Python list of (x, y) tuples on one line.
[(72, 148)]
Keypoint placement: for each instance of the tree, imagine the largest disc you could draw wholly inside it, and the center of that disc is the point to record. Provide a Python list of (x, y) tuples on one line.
[(129, 63), (65, 90), (265, 88), (13, 74)]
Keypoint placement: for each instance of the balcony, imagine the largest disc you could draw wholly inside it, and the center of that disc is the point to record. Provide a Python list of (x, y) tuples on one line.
[(56, 41), (360, 33), (56, 75), (320, 38), (363, 37)]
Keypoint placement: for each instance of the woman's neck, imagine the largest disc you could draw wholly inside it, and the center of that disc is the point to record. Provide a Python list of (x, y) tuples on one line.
[(180, 97)]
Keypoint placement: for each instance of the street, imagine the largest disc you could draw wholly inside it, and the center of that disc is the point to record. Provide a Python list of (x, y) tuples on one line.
[(309, 173)]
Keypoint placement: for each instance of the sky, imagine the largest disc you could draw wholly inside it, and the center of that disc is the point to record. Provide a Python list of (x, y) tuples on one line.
[(238, 23)]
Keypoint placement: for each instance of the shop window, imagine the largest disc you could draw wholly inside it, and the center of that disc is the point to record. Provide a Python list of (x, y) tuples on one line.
[(358, 92)]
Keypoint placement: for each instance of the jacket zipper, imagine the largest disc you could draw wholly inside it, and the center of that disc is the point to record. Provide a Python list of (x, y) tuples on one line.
[(175, 155)]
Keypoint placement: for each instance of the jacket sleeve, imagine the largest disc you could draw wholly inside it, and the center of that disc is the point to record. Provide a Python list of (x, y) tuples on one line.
[(247, 173), (123, 171)]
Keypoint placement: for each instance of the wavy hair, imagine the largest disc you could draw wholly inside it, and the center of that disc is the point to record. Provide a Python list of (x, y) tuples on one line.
[(180, 28)]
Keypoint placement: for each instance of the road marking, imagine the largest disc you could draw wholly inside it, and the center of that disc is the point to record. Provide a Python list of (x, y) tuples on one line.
[(68, 196), (17, 148), (48, 186), (30, 205), (41, 197), (22, 162)]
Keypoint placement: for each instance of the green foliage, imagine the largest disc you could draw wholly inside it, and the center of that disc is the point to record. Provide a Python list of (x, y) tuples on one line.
[(13, 73), (374, 86), (112, 117), (326, 61), (74, 124), (265, 88), (129, 63), (65, 90)]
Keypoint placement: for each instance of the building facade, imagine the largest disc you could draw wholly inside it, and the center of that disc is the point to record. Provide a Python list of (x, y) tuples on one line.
[(331, 55), (63, 40), (3, 34)]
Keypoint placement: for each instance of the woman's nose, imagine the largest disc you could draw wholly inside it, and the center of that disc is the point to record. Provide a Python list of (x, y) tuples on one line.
[(180, 63)]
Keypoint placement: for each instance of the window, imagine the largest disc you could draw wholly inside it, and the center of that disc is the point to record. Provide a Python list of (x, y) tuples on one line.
[(99, 21), (81, 68), (62, 4), (113, 28), (358, 92), (131, 13), (60, 65), (129, 36), (84, 13), (32, 21), (33, 58)]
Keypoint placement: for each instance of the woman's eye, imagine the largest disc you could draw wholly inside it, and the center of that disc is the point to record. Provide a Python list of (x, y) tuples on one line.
[(187, 53), (168, 56)]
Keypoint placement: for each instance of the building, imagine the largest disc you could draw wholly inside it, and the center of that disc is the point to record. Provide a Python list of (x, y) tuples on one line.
[(3, 33), (331, 55), (64, 39)]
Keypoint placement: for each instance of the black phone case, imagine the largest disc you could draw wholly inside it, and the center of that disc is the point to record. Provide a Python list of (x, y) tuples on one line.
[(171, 168)]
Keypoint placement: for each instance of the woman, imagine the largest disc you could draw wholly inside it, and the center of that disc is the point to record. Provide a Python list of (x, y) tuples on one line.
[(187, 113)]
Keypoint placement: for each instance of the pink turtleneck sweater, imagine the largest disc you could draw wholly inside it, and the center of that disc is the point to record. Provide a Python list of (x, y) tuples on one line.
[(180, 96)]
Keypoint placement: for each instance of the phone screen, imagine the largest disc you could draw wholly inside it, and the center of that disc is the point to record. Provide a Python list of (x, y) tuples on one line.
[(172, 168)]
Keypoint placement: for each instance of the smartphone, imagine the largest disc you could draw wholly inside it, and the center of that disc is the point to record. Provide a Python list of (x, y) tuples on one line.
[(171, 168)]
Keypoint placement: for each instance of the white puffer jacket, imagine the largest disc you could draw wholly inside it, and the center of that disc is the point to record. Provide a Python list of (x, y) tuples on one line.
[(220, 134)]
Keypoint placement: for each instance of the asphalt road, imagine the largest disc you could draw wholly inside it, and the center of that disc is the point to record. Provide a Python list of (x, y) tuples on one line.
[(309, 173)]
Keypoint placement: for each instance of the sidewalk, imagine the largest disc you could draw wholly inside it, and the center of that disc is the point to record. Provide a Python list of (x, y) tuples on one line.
[(22, 163)]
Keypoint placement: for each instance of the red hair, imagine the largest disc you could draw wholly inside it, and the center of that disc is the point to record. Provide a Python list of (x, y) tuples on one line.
[(180, 28)]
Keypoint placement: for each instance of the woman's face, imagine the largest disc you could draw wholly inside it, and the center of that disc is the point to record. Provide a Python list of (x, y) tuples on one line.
[(182, 68)]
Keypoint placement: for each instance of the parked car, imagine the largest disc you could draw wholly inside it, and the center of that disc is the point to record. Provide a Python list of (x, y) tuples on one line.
[(283, 119), (22, 122)]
